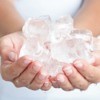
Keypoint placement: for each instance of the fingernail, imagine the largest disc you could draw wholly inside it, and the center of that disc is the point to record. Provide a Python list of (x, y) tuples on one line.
[(42, 75), (78, 64), (12, 56), (26, 62), (60, 78), (68, 70)]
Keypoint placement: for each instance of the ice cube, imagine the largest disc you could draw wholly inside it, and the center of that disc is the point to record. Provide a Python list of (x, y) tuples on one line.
[(85, 35), (78, 47), (53, 67), (61, 29), (32, 47), (66, 20), (37, 27)]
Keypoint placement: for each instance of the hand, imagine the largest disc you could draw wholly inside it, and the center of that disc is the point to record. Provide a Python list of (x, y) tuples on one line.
[(21, 71), (80, 74)]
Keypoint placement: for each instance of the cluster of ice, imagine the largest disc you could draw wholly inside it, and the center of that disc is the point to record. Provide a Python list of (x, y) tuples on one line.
[(55, 43)]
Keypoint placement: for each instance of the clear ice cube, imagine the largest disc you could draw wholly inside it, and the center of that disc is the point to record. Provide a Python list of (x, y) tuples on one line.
[(37, 28), (61, 29)]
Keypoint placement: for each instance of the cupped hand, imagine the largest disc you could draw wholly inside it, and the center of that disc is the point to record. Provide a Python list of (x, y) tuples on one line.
[(23, 71), (80, 74)]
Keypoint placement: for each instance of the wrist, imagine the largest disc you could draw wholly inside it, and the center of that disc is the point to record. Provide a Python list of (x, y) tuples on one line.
[(87, 23), (10, 19)]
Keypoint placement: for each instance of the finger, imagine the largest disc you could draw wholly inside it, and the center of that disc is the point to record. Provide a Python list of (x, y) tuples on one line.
[(47, 85), (10, 55), (12, 70), (77, 80), (54, 82), (28, 75), (10, 46), (90, 72), (38, 81), (64, 83), (7, 50)]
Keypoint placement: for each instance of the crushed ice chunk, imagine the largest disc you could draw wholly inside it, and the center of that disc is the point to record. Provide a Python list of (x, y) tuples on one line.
[(37, 28), (56, 43)]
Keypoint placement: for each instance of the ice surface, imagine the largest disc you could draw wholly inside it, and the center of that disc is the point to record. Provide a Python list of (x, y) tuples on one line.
[(79, 45), (55, 43), (37, 28)]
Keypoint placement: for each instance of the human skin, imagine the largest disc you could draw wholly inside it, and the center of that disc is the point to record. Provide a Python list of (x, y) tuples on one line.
[(10, 19), (10, 45), (88, 17), (12, 68), (81, 74), (21, 71)]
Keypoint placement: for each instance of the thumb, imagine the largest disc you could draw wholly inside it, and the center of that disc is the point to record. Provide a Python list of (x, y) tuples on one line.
[(8, 53)]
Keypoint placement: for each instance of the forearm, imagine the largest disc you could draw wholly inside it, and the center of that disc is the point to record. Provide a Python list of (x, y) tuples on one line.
[(10, 19), (88, 16)]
